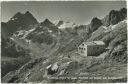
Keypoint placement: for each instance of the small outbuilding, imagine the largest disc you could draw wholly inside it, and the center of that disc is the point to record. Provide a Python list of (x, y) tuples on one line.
[(93, 48)]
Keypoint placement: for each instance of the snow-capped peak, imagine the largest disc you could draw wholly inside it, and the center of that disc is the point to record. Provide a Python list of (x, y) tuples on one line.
[(64, 24), (14, 18), (67, 25)]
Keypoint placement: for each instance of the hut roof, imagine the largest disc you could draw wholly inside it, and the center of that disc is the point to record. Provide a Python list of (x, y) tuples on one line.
[(94, 43)]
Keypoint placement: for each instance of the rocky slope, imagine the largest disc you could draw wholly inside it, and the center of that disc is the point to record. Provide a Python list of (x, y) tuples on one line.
[(115, 16), (13, 55), (53, 51)]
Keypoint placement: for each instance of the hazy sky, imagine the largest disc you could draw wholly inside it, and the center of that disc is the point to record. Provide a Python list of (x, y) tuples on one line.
[(78, 12)]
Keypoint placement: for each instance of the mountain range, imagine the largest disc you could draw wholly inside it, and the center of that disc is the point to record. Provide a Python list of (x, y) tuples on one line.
[(29, 47)]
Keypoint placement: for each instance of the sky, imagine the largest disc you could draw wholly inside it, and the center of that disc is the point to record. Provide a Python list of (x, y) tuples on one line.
[(80, 12)]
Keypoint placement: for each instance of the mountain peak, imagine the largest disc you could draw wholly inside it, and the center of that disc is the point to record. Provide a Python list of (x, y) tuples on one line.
[(95, 24), (21, 21), (18, 14), (116, 16), (28, 13), (95, 19), (123, 9), (47, 22)]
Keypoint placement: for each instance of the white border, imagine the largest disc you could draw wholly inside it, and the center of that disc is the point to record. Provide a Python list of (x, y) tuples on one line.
[(62, 0)]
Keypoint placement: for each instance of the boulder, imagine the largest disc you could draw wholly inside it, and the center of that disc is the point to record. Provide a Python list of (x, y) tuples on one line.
[(52, 69)]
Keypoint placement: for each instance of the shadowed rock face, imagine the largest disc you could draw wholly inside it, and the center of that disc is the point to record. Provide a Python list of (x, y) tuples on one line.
[(60, 23), (123, 12), (95, 24), (20, 21), (27, 18), (47, 23), (115, 16)]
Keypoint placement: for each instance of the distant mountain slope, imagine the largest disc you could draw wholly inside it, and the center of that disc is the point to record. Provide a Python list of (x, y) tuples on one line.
[(11, 51)]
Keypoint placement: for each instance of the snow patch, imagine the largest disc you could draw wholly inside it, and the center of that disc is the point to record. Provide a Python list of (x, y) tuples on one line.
[(27, 32), (12, 38), (28, 41), (67, 25), (112, 27), (48, 66), (40, 33), (50, 31), (55, 66), (21, 32), (56, 22), (104, 27), (53, 35), (14, 18)]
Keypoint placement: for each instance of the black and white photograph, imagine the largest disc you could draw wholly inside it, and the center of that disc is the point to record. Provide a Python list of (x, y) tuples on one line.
[(64, 41)]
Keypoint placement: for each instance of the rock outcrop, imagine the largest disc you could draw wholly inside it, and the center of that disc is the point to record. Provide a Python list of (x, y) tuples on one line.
[(95, 24), (115, 17)]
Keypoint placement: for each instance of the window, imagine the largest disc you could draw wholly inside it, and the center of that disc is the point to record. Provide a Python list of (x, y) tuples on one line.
[(82, 44)]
